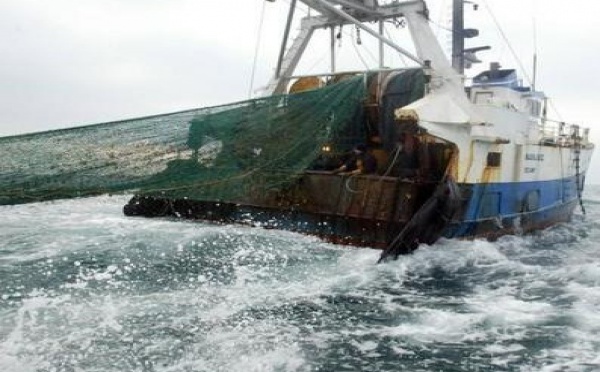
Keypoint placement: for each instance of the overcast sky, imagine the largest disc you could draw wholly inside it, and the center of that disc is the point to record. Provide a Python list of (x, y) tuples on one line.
[(72, 62)]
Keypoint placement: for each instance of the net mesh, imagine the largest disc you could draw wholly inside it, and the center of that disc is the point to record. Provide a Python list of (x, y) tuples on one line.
[(244, 150)]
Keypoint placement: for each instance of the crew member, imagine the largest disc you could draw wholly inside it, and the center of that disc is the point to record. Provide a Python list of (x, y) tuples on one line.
[(406, 161), (360, 162)]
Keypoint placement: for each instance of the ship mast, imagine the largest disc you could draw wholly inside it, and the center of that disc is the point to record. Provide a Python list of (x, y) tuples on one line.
[(463, 58), (458, 39)]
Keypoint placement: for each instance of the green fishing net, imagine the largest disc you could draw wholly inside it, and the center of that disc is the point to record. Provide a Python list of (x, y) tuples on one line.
[(249, 149)]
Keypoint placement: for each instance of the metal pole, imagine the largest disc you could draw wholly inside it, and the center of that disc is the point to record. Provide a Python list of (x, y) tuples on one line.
[(381, 51), (333, 49), (458, 40), (285, 38)]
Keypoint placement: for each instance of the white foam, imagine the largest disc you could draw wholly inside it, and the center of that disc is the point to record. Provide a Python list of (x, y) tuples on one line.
[(504, 310), (496, 349), (502, 301), (435, 326), (11, 363)]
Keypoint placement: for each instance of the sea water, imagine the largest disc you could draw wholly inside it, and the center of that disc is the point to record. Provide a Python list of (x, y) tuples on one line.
[(84, 288)]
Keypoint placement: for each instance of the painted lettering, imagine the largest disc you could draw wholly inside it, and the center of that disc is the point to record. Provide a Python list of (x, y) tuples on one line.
[(534, 157)]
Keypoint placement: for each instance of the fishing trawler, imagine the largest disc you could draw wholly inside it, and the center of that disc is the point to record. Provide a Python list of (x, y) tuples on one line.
[(453, 160)]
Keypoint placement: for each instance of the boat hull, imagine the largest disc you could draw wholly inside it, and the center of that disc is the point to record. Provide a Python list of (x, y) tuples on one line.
[(515, 224), (487, 210)]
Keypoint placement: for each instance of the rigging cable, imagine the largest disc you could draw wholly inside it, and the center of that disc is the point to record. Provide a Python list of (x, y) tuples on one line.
[(257, 48), (501, 31), (390, 36), (550, 102), (358, 54)]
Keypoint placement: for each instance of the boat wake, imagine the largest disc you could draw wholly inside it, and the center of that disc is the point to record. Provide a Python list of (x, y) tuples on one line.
[(87, 289)]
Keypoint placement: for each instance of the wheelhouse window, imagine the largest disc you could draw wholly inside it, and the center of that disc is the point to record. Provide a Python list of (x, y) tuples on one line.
[(494, 159), (534, 107), (483, 98)]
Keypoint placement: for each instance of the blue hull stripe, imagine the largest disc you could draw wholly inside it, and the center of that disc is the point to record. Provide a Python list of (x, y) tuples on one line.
[(542, 203)]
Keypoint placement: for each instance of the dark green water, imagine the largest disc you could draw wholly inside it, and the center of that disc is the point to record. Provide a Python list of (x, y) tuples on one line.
[(84, 288)]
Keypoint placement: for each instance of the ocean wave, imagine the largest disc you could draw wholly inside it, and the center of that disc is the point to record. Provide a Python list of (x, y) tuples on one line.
[(87, 289)]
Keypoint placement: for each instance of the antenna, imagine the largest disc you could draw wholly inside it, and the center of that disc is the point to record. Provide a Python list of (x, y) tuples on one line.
[(535, 59), (533, 79)]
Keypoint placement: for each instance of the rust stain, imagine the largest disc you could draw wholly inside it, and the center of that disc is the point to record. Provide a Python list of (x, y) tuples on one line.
[(492, 173)]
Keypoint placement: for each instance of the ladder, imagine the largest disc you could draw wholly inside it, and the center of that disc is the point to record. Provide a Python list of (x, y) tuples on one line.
[(577, 161)]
